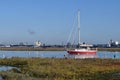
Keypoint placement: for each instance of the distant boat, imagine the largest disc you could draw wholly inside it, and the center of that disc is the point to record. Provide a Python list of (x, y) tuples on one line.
[(82, 48)]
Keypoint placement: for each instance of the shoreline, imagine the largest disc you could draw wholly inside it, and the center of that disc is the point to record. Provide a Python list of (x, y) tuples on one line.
[(49, 49), (30, 49)]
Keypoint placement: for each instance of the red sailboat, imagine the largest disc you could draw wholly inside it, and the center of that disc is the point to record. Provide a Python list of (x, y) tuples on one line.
[(83, 48)]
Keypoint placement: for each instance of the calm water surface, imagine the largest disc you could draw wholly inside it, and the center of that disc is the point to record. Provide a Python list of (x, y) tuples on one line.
[(56, 54)]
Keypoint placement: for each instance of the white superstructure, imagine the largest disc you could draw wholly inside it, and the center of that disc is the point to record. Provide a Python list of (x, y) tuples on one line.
[(38, 44)]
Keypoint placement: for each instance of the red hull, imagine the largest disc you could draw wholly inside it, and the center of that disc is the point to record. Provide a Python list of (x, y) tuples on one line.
[(81, 52)]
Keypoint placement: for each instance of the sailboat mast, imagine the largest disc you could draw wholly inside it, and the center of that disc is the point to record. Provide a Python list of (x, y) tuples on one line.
[(78, 27)]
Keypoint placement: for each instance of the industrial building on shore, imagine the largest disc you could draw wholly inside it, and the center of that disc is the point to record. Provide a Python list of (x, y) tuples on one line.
[(110, 44)]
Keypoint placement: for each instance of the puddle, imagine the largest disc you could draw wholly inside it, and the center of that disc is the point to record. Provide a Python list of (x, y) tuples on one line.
[(116, 74), (7, 68), (1, 78)]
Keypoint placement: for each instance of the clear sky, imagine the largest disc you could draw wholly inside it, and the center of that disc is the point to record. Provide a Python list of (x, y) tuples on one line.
[(50, 21)]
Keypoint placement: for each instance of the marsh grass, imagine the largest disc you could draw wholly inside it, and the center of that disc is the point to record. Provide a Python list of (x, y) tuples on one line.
[(61, 69)]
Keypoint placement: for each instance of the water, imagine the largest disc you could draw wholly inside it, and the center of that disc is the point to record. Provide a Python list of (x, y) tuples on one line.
[(56, 54), (106, 54), (6, 68), (27, 54)]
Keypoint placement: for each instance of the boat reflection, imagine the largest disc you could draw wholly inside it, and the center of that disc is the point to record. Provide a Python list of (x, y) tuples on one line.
[(82, 56)]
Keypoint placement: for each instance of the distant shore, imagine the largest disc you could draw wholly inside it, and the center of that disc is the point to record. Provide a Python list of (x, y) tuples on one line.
[(109, 49), (30, 49), (48, 49)]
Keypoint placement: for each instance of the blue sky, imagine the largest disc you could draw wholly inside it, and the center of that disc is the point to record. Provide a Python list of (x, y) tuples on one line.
[(51, 21)]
